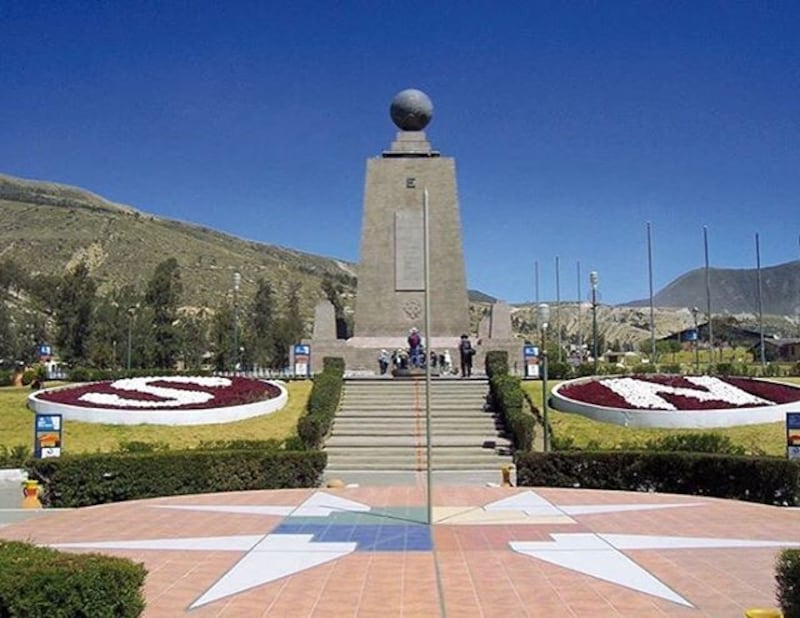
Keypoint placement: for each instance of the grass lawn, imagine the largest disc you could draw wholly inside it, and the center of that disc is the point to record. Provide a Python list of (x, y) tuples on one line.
[(16, 426), (764, 439)]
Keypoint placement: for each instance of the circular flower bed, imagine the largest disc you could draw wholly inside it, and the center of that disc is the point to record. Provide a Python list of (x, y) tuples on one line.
[(677, 401), (162, 400)]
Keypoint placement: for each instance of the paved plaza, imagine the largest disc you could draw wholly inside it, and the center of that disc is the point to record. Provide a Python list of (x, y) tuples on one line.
[(492, 551)]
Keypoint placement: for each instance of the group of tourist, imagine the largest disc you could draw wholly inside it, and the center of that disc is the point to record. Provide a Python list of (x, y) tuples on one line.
[(415, 357)]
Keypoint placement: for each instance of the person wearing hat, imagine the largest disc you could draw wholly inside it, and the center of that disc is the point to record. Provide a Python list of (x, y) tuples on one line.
[(466, 351)]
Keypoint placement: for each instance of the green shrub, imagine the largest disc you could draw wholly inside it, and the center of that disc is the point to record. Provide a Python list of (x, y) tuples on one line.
[(787, 575), (270, 444), (83, 480), (769, 480), (507, 399), (773, 370), (496, 362), (584, 370), (6, 377), (558, 371), (323, 401), (671, 368), (15, 456), (645, 368), (39, 582), (695, 443), (138, 446)]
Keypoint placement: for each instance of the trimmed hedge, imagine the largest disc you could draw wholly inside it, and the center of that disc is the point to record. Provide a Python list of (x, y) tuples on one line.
[(508, 397), (39, 582), (323, 402), (83, 480), (787, 576), (766, 480)]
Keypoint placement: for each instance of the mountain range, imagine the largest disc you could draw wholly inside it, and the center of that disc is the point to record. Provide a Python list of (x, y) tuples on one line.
[(49, 227)]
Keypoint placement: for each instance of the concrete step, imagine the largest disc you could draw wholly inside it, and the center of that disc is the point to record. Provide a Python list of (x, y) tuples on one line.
[(455, 424), (486, 440), (410, 413)]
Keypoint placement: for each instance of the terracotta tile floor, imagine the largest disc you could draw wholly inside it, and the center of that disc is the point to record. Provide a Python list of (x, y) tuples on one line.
[(368, 551)]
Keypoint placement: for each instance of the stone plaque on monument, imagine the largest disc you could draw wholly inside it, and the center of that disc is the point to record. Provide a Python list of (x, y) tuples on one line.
[(408, 251)]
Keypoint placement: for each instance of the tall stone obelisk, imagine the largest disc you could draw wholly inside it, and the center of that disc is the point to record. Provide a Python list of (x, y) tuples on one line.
[(390, 294)]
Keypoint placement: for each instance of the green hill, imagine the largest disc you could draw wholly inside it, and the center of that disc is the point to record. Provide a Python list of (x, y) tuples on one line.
[(47, 228)]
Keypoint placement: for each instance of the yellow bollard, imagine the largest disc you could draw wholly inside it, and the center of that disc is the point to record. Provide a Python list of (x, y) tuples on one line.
[(30, 492), (335, 484), (763, 612), (506, 472)]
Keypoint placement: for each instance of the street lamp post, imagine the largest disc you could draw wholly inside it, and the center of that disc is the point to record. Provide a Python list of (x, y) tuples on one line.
[(543, 311), (131, 312), (695, 311), (593, 279), (237, 281)]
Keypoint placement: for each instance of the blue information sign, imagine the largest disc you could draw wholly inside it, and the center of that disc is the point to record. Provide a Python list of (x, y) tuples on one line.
[(530, 360), (47, 435), (302, 359), (793, 435)]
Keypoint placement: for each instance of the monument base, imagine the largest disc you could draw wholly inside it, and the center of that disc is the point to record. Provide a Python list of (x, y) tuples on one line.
[(360, 354)]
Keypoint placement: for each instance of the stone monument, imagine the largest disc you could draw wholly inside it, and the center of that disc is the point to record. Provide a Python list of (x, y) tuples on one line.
[(391, 283), (390, 295)]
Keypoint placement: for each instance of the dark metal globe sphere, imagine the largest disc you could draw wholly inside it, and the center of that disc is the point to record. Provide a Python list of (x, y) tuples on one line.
[(411, 110)]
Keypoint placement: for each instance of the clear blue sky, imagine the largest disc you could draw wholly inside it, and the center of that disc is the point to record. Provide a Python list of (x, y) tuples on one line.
[(572, 123)]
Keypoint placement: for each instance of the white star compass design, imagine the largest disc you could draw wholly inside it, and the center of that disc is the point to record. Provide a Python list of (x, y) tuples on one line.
[(327, 527)]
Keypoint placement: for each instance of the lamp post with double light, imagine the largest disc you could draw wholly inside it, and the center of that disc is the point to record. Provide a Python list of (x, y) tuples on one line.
[(593, 279), (131, 313), (237, 282), (543, 313)]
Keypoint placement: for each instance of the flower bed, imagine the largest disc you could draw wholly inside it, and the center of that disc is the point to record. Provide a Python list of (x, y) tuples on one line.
[(677, 401), (171, 400)]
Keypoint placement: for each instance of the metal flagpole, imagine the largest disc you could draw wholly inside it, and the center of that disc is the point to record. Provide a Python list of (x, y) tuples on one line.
[(580, 311), (427, 275), (652, 310), (708, 301), (760, 305), (536, 280), (558, 307)]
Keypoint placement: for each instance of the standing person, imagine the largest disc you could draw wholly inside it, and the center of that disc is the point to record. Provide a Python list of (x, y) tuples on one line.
[(447, 362), (414, 346), (383, 361), (466, 352)]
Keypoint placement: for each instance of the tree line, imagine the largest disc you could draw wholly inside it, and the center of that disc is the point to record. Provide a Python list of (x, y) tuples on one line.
[(144, 329)]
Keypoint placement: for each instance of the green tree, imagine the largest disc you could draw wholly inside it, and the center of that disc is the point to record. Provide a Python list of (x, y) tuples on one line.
[(221, 337), (290, 328), (7, 336), (334, 291), (75, 302), (194, 338), (163, 297), (104, 339), (260, 325)]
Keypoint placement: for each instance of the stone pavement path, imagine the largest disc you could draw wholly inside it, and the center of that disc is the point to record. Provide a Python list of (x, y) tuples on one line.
[(491, 551)]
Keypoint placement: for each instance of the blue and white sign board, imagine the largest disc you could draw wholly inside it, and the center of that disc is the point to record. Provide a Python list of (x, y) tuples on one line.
[(691, 335), (47, 435), (793, 435), (302, 359), (530, 359)]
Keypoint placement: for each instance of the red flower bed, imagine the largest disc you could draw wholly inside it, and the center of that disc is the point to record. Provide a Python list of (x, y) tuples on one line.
[(595, 392), (241, 391)]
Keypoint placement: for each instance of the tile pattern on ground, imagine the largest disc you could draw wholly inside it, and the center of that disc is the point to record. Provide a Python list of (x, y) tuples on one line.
[(368, 551)]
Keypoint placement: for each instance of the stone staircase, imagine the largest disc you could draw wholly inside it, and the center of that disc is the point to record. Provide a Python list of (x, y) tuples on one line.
[(380, 426)]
